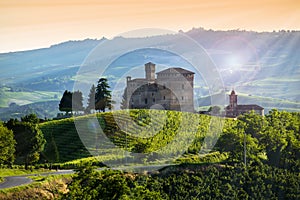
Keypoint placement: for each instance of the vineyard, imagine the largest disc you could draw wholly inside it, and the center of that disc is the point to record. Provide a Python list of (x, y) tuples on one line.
[(155, 136), (150, 134)]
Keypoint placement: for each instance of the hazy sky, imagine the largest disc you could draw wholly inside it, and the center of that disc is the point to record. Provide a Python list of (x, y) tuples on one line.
[(29, 24)]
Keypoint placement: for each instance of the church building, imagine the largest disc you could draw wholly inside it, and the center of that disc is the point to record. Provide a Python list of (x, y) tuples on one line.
[(172, 89), (234, 110)]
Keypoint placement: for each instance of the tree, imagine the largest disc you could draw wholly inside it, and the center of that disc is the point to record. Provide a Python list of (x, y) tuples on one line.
[(77, 99), (89, 184), (124, 103), (30, 142), (232, 141), (31, 118), (281, 127), (103, 96), (7, 145), (254, 124), (91, 99), (214, 110), (65, 104)]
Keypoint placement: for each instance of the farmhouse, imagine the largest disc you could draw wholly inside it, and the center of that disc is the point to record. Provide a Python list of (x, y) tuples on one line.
[(172, 89), (234, 110)]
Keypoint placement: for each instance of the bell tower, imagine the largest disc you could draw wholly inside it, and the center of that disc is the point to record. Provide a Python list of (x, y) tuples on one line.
[(233, 99)]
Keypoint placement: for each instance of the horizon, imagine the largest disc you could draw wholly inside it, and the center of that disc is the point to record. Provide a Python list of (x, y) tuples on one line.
[(107, 38), (34, 24)]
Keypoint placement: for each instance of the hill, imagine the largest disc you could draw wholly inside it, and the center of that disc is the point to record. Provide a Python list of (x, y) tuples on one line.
[(260, 65), (167, 133)]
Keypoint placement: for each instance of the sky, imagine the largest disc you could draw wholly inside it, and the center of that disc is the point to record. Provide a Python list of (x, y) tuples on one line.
[(35, 24)]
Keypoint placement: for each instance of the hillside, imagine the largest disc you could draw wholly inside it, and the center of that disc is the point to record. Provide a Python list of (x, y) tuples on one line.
[(263, 65), (167, 133)]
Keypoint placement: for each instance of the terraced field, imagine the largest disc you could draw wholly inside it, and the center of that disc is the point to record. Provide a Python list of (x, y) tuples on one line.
[(157, 134)]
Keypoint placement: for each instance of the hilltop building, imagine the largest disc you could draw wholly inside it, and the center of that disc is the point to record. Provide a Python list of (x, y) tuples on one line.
[(172, 89), (234, 110)]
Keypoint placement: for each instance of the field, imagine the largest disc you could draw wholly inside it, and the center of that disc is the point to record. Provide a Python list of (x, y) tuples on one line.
[(129, 137), (9, 96)]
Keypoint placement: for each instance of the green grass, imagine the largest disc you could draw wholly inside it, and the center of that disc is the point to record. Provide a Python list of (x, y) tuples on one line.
[(16, 172), (214, 157), (22, 98)]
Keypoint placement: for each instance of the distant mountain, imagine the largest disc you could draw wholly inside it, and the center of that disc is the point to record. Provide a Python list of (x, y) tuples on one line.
[(263, 66)]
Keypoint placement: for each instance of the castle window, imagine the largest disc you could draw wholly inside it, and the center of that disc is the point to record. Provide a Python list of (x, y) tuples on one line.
[(152, 94), (164, 97), (153, 99), (146, 101), (182, 86), (182, 98)]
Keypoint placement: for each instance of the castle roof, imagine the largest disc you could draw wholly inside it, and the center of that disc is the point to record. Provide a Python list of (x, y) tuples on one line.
[(149, 63), (138, 80), (175, 70)]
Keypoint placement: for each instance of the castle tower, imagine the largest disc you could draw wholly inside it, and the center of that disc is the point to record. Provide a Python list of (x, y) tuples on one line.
[(150, 72), (233, 99), (181, 84)]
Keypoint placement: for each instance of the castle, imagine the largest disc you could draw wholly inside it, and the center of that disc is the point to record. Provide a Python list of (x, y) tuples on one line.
[(173, 89), (234, 110)]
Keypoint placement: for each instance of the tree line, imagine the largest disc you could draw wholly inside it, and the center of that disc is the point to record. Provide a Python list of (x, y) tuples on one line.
[(186, 182), (99, 99), (21, 141)]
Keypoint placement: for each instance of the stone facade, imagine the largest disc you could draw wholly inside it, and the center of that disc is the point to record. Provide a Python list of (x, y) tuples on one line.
[(173, 89), (234, 110)]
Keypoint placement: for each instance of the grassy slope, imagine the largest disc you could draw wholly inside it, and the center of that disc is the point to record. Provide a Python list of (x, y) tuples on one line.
[(144, 132), (63, 142)]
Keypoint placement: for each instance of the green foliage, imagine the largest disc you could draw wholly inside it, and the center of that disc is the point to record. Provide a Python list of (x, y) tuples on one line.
[(30, 141), (108, 184), (103, 95), (77, 99), (214, 110), (7, 146), (213, 157), (276, 135), (91, 99), (281, 139), (232, 141), (89, 184), (71, 101), (142, 131), (187, 182), (31, 118), (66, 102), (267, 139), (124, 102)]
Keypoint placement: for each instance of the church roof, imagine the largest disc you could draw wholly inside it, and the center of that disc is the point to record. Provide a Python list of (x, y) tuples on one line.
[(175, 70), (247, 107)]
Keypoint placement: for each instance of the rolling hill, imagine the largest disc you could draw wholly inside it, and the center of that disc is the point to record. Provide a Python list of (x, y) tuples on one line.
[(264, 68), (155, 133)]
